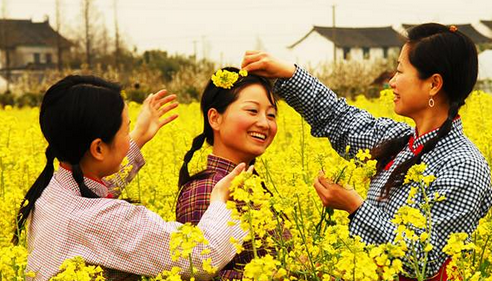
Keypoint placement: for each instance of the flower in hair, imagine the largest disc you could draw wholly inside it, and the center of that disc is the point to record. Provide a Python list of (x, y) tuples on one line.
[(226, 79), (453, 28)]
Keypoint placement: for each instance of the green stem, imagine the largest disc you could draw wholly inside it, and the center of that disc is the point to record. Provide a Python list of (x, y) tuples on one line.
[(252, 232), (191, 266), (304, 238)]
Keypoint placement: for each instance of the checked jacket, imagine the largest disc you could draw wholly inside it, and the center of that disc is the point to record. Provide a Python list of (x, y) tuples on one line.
[(462, 173)]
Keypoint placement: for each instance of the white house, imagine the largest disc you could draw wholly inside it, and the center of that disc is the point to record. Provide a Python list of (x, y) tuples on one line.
[(485, 27), (358, 44), (27, 45), (485, 65)]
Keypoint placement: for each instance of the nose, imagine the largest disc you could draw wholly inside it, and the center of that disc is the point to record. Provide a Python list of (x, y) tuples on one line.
[(392, 81), (262, 122)]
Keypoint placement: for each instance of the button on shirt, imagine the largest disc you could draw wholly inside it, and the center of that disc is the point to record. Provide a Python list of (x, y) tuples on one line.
[(115, 234), (463, 175)]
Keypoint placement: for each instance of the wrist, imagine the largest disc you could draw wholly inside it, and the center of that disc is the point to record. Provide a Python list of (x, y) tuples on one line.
[(289, 71), (355, 206), (138, 138)]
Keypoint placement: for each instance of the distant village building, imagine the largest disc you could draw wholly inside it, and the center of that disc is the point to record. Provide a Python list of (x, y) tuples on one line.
[(27, 45), (486, 28), (352, 44)]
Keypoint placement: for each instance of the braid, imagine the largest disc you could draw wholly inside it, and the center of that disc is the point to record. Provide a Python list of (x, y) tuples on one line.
[(397, 176), (79, 178), (184, 174), (387, 151), (33, 194)]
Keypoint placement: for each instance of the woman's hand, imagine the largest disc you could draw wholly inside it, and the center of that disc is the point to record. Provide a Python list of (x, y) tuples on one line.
[(148, 121), (221, 191), (335, 196), (264, 64)]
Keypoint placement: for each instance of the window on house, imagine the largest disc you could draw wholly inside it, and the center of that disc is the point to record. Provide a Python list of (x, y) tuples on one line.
[(385, 52), (346, 53), (37, 58), (49, 59), (365, 53)]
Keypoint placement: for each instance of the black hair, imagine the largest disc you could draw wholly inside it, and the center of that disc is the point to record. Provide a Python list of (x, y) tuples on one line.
[(220, 99), (74, 112), (433, 49)]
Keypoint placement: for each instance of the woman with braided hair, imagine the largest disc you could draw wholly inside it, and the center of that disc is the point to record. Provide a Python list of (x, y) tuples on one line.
[(437, 69), (73, 212), (239, 122)]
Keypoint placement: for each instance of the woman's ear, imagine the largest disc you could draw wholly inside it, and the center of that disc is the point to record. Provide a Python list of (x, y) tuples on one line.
[(97, 149), (436, 84), (214, 118)]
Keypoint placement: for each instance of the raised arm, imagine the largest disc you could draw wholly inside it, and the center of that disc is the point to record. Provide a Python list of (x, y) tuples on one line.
[(328, 115)]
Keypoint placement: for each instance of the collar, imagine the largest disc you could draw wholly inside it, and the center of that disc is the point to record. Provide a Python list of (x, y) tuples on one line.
[(217, 163), (416, 143), (65, 177)]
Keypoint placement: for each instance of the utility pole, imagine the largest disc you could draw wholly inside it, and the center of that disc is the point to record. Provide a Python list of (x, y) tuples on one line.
[(86, 14), (58, 36), (194, 50), (6, 42), (204, 48), (333, 7)]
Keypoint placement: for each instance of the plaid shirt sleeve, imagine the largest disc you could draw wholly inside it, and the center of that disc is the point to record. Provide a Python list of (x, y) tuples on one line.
[(330, 116), (464, 181), (137, 240), (194, 200)]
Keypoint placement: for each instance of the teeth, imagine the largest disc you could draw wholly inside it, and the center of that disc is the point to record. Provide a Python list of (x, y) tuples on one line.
[(258, 135)]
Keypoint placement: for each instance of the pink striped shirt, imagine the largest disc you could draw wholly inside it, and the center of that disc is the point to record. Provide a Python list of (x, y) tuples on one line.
[(114, 233)]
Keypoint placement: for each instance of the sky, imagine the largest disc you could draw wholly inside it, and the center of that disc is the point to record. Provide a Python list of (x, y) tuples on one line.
[(222, 30)]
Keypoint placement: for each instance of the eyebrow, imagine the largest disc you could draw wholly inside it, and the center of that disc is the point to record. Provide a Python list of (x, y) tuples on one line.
[(257, 103)]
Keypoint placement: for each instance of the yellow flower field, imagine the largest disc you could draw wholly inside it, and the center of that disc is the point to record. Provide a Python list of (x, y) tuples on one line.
[(316, 251)]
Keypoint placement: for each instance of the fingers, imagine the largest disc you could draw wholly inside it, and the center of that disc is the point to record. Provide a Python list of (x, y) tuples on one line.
[(239, 169), (148, 99), (324, 181), (162, 100), (322, 191), (251, 52), (168, 119), (167, 108), (253, 61), (250, 169)]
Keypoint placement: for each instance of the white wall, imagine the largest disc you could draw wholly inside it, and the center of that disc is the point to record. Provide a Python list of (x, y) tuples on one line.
[(314, 50), (25, 54)]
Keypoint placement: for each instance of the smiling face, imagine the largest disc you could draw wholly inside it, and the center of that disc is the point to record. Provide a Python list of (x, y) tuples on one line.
[(246, 128), (411, 93)]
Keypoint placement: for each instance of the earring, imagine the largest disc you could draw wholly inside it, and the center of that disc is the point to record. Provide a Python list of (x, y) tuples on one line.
[(431, 102)]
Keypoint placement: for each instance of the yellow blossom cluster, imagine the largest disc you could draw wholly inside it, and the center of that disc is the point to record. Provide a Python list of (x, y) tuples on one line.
[(75, 269), (287, 169)]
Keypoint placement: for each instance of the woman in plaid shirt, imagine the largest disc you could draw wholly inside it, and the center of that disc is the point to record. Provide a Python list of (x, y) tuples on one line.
[(239, 122), (73, 213), (437, 69)]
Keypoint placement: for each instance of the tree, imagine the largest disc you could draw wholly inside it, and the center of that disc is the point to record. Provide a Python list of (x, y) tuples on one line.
[(116, 35), (5, 38), (58, 21), (87, 10)]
